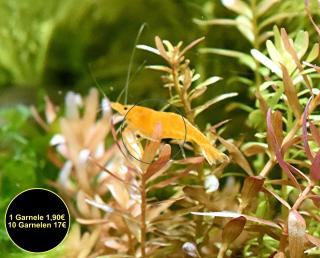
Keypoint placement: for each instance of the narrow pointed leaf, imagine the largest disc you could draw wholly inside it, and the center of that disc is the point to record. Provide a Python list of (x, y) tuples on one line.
[(199, 195), (265, 5), (315, 67), (209, 81), (245, 26), (313, 240), (161, 49), (296, 234), (251, 187), (152, 147), (173, 179), (315, 133), (283, 202), (305, 131), (50, 110), (277, 149), (233, 229), (161, 68), (311, 18), (278, 126), (267, 62), (160, 163), (197, 93), (291, 93), (315, 199), (231, 214), (215, 22), (254, 148), (215, 100), (191, 160), (301, 43), (315, 167), (149, 49), (290, 49), (237, 156), (243, 58), (155, 209), (273, 52), (314, 53), (238, 6), (191, 45)]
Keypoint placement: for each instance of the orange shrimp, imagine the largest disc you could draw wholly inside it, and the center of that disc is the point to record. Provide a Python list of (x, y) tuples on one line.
[(173, 126)]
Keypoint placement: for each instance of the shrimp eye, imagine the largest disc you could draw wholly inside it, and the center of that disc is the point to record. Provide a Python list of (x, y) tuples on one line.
[(125, 108)]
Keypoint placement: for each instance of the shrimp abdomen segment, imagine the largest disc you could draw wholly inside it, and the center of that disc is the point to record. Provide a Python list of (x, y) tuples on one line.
[(173, 126), (147, 120)]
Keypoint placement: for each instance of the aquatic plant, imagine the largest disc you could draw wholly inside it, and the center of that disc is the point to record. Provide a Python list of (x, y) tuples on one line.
[(151, 205), (134, 196)]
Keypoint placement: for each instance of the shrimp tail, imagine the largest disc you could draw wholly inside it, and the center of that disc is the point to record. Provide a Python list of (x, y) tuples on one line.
[(212, 154)]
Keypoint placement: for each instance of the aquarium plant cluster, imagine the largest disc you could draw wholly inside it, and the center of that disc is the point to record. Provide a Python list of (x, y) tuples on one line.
[(246, 79)]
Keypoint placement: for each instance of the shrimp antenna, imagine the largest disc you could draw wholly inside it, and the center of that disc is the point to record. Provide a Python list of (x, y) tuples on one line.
[(126, 87), (97, 85), (95, 81)]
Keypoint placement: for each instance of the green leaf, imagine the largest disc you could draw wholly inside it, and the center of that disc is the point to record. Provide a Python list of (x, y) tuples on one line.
[(273, 52), (278, 41), (314, 53), (195, 93), (243, 58), (257, 119), (209, 81), (265, 5), (237, 105), (301, 43), (275, 97), (149, 49), (267, 84), (273, 19), (291, 93), (215, 100), (202, 87), (245, 26), (266, 61), (238, 6), (215, 22)]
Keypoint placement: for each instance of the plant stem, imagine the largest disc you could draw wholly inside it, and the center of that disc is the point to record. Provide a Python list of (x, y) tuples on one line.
[(143, 217), (256, 43), (284, 195), (182, 94), (222, 250), (283, 239), (267, 168), (303, 195), (130, 240)]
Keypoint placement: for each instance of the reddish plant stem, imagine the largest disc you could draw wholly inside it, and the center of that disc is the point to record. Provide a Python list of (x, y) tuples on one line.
[(283, 239), (143, 217), (302, 196), (267, 168), (222, 250)]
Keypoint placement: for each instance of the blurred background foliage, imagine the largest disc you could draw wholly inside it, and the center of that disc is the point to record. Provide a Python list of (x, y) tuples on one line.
[(51, 45), (54, 46)]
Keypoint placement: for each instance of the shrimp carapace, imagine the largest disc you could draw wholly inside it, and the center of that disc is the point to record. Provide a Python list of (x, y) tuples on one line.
[(173, 126)]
